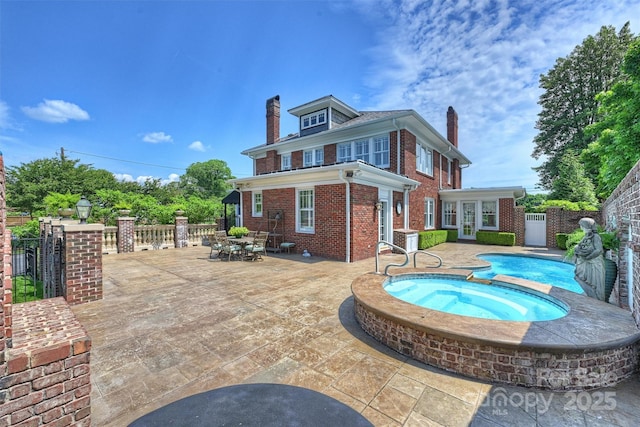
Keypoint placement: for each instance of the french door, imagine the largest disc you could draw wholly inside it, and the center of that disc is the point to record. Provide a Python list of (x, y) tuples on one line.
[(468, 220)]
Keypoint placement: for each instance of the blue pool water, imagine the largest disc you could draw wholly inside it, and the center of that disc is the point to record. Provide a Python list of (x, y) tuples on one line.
[(550, 272), (464, 298)]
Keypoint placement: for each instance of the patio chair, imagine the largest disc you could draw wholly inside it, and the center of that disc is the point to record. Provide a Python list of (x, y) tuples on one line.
[(257, 249), (229, 249), (216, 246)]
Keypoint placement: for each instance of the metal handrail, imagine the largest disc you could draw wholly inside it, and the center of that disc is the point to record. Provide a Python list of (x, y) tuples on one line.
[(383, 242), (426, 253), (406, 254)]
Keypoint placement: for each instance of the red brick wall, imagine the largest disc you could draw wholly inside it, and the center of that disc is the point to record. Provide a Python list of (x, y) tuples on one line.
[(621, 211), (296, 159), (47, 381), (330, 153), (561, 221), (506, 215), (83, 270), (364, 221)]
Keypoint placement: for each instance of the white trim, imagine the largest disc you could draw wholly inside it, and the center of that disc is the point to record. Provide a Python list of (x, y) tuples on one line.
[(312, 209), (254, 205), (282, 165), (317, 115)]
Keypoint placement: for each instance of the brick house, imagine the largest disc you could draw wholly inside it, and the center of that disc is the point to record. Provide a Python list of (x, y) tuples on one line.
[(349, 178)]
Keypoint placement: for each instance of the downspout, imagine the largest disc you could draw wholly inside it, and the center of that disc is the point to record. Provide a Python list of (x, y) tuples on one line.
[(406, 208), (348, 213), (397, 146)]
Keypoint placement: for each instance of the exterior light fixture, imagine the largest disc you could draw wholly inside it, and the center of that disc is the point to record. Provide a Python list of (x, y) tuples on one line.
[(378, 205), (83, 209)]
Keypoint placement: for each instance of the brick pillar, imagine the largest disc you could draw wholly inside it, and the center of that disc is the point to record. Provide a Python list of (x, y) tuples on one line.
[(125, 234), (518, 224), (181, 235), (83, 262), (553, 226)]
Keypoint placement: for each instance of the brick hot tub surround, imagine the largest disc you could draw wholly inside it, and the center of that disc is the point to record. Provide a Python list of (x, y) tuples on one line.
[(595, 345)]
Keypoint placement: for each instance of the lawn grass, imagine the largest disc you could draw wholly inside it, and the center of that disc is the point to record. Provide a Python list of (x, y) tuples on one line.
[(23, 289)]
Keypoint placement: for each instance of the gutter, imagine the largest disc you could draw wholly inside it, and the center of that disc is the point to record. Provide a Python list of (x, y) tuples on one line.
[(348, 213)]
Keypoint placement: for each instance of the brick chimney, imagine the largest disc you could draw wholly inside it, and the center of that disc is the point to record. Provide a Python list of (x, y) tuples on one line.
[(452, 126), (273, 119)]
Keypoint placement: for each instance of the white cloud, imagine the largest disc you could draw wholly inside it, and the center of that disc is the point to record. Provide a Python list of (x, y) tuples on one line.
[(124, 177), (173, 177), (56, 111), (157, 137), (197, 146), (485, 60)]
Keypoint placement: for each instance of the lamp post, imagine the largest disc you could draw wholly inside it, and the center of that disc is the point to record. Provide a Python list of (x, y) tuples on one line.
[(83, 209)]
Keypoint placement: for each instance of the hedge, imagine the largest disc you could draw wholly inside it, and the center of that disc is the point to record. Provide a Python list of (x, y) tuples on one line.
[(427, 239), (495, 238), (452, 235), (561, 240)]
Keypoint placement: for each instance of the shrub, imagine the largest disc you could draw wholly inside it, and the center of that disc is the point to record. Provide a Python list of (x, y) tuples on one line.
[(428, 239), (561, 240), (495, 238), (452, 235), (29, 230), (238, 231)]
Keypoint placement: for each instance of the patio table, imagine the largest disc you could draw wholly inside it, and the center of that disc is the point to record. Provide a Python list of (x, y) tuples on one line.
[(259, 404), (243, 242)]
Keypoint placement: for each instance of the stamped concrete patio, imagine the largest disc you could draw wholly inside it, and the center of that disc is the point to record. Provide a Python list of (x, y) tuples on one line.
[(174, 323)]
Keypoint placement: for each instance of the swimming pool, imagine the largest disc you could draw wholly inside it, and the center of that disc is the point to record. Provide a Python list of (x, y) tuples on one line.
[(541, 270), (462, 297)]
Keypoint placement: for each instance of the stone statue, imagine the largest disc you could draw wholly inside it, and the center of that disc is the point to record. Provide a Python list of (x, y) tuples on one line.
[(589, 260)]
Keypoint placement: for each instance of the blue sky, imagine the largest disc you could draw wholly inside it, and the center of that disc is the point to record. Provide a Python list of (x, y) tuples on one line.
[(146, 88)]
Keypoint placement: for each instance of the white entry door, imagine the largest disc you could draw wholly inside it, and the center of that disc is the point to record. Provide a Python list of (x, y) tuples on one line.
[(383, 231), (468, 220)]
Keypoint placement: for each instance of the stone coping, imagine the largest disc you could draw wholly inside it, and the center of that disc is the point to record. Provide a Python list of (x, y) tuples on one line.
[(590, 325)]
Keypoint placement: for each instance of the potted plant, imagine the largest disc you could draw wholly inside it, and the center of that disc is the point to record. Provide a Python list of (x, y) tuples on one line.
[(238, 231), (123, 208), (61, 203)]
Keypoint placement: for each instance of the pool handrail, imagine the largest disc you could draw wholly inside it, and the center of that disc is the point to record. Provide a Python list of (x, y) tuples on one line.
[(406, 254)]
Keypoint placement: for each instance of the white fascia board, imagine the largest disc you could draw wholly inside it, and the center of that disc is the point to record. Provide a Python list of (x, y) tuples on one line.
[(361, 173), (490, 193)]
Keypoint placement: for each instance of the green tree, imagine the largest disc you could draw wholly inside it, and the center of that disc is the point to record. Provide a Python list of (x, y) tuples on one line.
[(29, 183), (569, 101), (571, 183), (206, 179), (531, 201), (618, 132)]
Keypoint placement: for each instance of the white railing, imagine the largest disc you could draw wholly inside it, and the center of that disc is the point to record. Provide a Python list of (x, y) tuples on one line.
[(153, 237)]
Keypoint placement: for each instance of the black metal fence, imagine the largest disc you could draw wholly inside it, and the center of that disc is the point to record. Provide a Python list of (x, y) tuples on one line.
[(37, 268)]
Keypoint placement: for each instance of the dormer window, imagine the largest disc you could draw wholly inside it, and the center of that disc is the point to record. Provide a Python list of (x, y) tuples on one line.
[(313, 119)]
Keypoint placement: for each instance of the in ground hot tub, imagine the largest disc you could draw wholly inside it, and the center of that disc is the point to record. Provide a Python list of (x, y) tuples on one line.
[(594, 345)]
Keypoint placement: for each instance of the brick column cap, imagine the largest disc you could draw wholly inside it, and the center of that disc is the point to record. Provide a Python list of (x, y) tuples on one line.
[(82, 227)]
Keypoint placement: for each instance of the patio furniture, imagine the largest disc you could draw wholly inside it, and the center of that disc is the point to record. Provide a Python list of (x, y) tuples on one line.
[(287, 246), (215, 241), (256, 249), (230, 248), (239, 245), (255, 405)]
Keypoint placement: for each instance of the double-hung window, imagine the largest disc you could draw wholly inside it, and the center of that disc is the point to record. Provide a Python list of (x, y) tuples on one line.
[(285, 161), (489, 214), (362, 150), (424, 159), (449, 212), (313, 157), (374, 150), (381, 151), (257, 203), (305, 210), (429, 213)]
